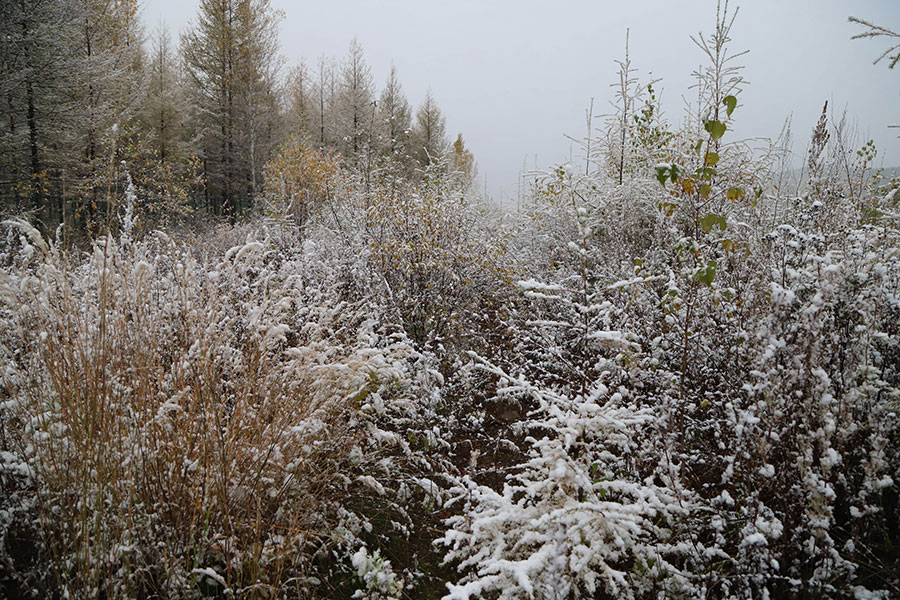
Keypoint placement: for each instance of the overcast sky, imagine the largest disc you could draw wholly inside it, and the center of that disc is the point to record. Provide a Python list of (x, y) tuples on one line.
[(515, 76)]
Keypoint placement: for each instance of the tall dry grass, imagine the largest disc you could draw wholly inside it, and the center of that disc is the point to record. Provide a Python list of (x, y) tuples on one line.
[(176, 424)]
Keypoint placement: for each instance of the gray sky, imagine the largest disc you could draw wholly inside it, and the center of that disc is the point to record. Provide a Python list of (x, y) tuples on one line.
[(515, 76)]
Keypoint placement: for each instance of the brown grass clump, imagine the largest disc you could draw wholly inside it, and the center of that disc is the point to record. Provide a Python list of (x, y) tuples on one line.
[(173, 426)]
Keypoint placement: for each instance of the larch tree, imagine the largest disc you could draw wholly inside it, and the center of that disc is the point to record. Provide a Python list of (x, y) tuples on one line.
[(429, 138), (874, 30), (160, 150), (258, 70), (164, 109), (462, 163), (36, 108), (394, 122), (323, 94), (301, 114), (231, 59), (355, 108), (72, 71), (108, 88)]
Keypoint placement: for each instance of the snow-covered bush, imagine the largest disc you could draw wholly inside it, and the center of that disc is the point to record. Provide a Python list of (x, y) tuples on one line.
[(721, 355), (444, 275), (380, 581)]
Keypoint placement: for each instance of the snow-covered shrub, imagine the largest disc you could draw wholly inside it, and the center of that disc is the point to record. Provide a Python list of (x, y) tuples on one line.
[(443, 274), (583, 514), (378, 578), (299, 180), (744, 343)]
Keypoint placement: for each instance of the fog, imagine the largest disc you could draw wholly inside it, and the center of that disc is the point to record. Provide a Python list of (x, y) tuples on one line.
[(515, 77)]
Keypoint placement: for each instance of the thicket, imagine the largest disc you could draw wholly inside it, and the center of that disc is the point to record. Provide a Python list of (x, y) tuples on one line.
[(674, 374)]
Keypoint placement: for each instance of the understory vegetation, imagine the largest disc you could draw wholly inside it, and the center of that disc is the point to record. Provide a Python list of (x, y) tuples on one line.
[(675, 373)]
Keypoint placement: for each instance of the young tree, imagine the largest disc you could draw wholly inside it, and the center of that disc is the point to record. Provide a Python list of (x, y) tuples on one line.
[(393, 123), (429, 140), (323, 99), (355, 108), (394, 117), (158, 154), (462, 163), (300, 103), (164, 109), (626, 96)]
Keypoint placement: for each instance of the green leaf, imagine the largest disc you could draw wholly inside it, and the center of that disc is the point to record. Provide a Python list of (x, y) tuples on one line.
[(662, 173), (707, 275), (730, 104), (715, 129), (712, 159), (699, 146), (706, 173), (675, 173), (735, 193), (711, 220)]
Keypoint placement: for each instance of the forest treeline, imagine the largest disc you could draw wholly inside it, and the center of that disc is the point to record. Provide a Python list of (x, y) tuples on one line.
[(673, 374), (90, 102)]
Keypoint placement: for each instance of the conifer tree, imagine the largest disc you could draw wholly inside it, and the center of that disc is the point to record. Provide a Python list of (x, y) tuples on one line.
[(300, 103), (355, 109), (108, 89), (395, 115), (462, 163), (232, 62), (323, 100), (394, 122), (429, 141), (164, 110), (36, 64)]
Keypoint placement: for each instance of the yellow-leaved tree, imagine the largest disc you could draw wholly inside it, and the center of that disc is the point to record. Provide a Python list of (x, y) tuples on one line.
[(299, 180)]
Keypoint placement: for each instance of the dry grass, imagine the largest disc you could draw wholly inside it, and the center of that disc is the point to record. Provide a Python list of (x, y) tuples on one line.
[(177, 417)]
